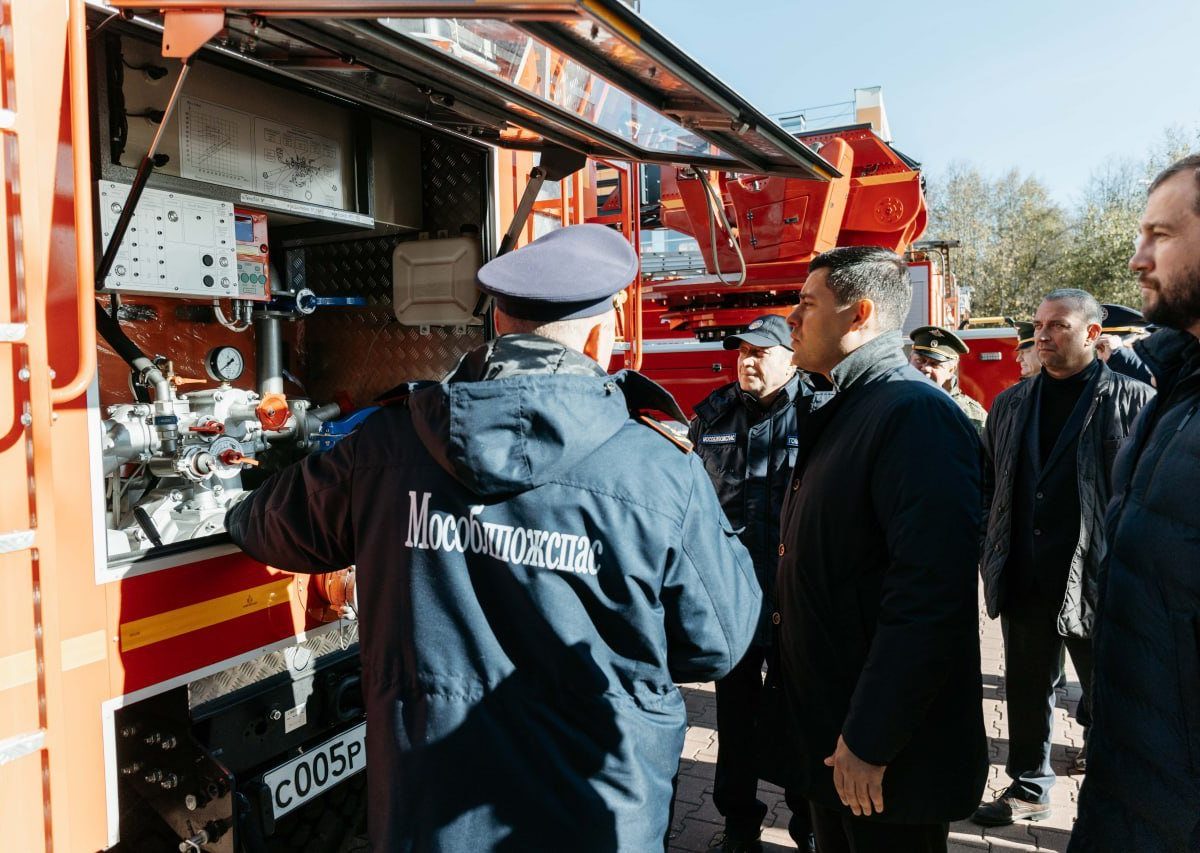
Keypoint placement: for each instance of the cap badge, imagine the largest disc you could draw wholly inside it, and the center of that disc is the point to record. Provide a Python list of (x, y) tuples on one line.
[(937, 333), (757, 324)]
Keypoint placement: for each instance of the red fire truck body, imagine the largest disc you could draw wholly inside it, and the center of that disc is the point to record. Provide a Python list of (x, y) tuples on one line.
[(267, 238)]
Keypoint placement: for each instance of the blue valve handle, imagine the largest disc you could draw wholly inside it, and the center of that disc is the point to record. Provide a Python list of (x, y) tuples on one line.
[(305, 302), (331, 301)]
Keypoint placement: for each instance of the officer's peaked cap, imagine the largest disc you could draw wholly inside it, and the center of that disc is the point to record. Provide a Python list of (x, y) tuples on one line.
[(1024, 334), (569, 273), (937, 343), (1118, 319)]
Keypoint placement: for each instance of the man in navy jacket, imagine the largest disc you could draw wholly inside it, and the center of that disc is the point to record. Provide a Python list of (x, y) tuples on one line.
[(538, 563)]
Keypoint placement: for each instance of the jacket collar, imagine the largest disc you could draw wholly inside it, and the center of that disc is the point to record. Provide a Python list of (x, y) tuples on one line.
[(1098, 385), (520, 355), (1172, 355), (728, 396), (870, 361)]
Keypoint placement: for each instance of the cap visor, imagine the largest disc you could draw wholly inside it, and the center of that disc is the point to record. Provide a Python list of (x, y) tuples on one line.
[(755, 340)]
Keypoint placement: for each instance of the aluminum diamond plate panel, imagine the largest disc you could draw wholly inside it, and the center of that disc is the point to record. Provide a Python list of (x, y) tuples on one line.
[(297, 659), (363, 352), (360, 267), (453, 187), (366, 352)]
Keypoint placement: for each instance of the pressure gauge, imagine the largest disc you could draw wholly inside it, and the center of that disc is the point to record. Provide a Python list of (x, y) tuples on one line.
[(225, 364)]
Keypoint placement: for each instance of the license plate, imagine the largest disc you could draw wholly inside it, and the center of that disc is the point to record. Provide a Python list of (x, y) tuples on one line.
[(304, 777)]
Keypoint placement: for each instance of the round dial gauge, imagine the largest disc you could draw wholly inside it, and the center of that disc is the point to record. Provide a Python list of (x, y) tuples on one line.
[(225, 364)]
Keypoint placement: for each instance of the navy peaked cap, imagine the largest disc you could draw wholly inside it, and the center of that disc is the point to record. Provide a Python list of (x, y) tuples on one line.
[(569, 273), (1118, 318)]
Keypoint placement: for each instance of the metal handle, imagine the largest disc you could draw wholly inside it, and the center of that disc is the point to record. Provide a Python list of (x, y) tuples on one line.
[(85, 285)]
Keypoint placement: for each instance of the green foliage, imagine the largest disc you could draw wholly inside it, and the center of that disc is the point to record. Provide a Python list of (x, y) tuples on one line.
[(1018, 243)]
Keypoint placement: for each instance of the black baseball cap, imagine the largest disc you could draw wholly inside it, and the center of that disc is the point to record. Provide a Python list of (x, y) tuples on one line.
[(769, 330)]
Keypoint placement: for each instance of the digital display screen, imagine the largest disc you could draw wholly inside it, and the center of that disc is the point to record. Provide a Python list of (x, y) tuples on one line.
[(243, 229)]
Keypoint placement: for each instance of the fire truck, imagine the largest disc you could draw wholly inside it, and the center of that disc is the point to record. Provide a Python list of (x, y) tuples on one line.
[(229, 228)]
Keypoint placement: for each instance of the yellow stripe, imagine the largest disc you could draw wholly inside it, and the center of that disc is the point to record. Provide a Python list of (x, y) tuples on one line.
[(82, 650), (17, 669), (193, 617), (935, 349), (602, 15)]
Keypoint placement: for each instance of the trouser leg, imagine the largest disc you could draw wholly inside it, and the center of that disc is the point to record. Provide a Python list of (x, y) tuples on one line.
[(800, 826), (827, 827), (1032, 648), (839, 832), (1081, 656), (671, 809), (735, 790)]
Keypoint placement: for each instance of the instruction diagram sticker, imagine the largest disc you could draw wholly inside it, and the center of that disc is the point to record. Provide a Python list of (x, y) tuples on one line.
[(215, 144), (294, 163)]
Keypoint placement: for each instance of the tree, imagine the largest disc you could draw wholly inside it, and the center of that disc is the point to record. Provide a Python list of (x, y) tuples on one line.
[(1013, 236), (1105, 223), (1018, 244)]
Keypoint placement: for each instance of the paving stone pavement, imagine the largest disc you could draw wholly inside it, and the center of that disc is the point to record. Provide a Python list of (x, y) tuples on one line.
[(697, 823)]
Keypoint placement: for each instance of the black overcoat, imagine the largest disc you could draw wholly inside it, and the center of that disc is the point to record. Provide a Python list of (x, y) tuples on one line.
[(1115, 403), (878, 589)]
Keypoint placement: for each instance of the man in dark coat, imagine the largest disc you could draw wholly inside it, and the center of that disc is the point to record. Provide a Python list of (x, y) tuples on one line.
[(538, 563), (746, 434), (877, 586), (1049, 448), (1142, 791)]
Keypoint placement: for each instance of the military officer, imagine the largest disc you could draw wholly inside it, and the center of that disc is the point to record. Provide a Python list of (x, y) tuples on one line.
[(935, 352), (1025, 355), (746, 434), (1122, 328), (539, 561)]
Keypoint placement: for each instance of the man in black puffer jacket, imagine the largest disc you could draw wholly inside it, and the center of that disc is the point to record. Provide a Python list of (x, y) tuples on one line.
[(1049, 446), (1142, 791)]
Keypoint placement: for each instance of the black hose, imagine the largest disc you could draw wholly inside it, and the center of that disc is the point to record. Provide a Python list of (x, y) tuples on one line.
[(112, 332)]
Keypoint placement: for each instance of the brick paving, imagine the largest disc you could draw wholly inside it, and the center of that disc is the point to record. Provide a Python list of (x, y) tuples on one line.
[(697, 823)]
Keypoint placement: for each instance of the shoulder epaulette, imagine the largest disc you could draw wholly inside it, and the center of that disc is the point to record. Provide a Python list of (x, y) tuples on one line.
[(672, 431)]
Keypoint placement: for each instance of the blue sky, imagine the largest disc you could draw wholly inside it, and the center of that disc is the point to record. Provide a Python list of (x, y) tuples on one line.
[(1054, 88)]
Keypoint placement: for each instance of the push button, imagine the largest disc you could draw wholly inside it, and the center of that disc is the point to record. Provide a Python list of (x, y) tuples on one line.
[(1040, 495), (775, 618), (795, 485), (781, 549), (1037, 531)]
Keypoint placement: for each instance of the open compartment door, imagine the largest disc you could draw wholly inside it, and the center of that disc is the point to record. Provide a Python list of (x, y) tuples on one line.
[(583, 74)]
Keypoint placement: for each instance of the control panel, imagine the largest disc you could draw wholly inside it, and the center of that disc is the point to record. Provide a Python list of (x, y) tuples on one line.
[(176, 245), (253, 257)]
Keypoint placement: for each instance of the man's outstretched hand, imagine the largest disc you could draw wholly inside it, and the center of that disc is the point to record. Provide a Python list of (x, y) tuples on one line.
[(859, 784)]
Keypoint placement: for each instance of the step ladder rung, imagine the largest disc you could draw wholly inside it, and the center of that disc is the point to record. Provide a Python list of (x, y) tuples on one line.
[(12, 333), (16, 540), (14, 747)]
